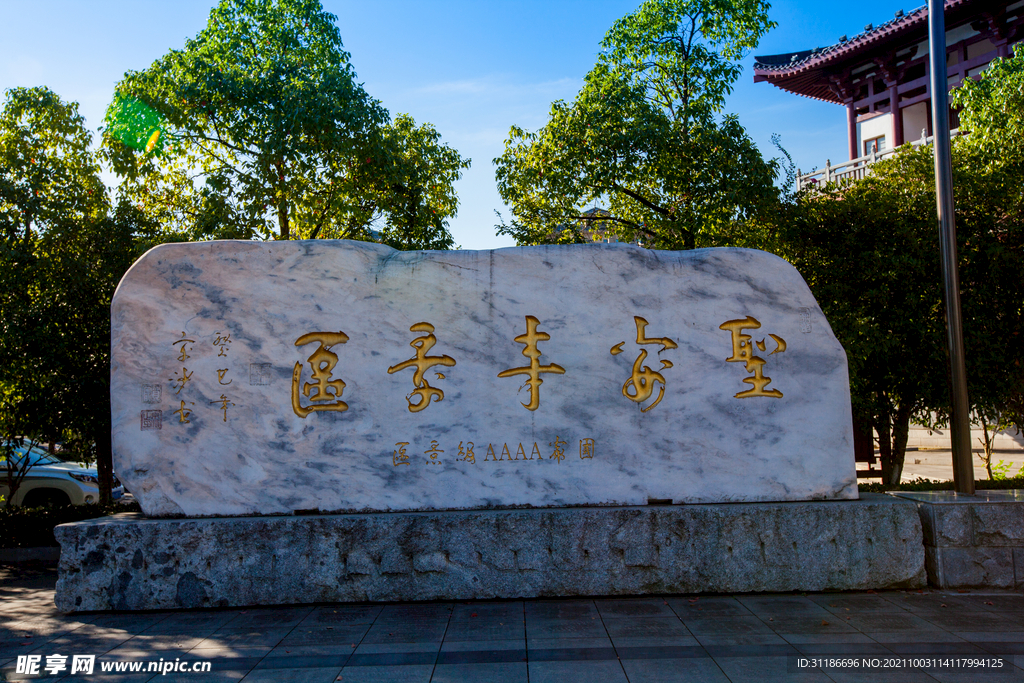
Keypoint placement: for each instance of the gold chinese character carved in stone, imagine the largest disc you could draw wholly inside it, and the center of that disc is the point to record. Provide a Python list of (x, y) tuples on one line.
[(559, 453), (183, 355), (422, 362), (640, 385), (467, 454), (178, 382), (534, 370), (220, 377), (224, 402), (586, 449), (322, 363), (223, 342), (400, 457), (184, 413), (743, 352), (433, 453)]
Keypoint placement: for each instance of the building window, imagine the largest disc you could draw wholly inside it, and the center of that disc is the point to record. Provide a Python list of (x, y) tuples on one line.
[(876, 144)]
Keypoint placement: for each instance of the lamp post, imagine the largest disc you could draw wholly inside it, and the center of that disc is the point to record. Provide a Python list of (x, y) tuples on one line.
[(960, 426)]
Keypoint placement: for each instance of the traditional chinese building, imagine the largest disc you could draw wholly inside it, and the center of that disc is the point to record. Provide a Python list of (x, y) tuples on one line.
[(882, 75)]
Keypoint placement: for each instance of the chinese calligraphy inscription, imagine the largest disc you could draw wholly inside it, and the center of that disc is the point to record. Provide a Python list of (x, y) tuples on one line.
[(534, 369), (422, 362), (640, 385), (322, 363), (743, 352)]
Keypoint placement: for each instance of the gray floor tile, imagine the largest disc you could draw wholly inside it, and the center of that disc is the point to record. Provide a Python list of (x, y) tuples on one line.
[(645, 627), (387, 674), (634, 607), (809, 622), (341, 614), (931, 602), (244, 638), (714, 639), (561, 609), (843, 650), (190, 621), (439, 610), (777, 605), (485, 630), (490, 645), (1009, 603), (486, 610), (132, 623), (726, 625), (398, 632), (591, 672), (891, 621), (221, 651), (822, 638), (766, 670), (671, 641), (565, 628), (916, 637), (265, 619), (704, 608), (691, 670), (149, 642), (311, 675), (875, 675), (338, 635), (1007, 675), (991, 636), (852, 603), (971, 621), (379, 648), (959, 648), (566, 643), (506, 672)]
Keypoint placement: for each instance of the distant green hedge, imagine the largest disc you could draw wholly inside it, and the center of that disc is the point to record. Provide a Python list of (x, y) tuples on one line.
[(920, 484), (33, 527)]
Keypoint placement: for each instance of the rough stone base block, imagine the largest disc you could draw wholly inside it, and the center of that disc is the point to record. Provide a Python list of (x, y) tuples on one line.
[(129, 562), (972, 541)]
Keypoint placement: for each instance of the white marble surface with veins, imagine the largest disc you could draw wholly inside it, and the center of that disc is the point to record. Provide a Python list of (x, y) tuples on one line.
[(211, 426)]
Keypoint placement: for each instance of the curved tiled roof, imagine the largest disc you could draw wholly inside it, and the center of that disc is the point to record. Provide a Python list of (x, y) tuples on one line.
[(806, 72)]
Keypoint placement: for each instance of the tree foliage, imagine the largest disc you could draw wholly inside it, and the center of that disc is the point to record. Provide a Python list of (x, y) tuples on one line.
[(643, 135), (264, 129), (992, 112), (869, 252), (63, 250)]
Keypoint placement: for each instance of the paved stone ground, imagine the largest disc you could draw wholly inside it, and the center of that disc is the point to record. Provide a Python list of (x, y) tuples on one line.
[(756, 638), (938, 464)]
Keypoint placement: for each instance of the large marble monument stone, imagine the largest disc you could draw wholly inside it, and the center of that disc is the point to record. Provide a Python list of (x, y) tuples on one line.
[(260, 378)]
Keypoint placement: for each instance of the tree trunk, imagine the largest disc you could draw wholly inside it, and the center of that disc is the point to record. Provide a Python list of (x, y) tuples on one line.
[(282, 221), (900, 432), (104, 455), (988, 447), (283, 227), (883, 429)]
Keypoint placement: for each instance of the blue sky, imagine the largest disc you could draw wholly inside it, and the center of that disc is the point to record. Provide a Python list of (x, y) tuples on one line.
[(471, 67)]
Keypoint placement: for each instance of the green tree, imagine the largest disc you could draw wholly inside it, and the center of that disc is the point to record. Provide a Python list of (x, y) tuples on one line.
[(62, 253), (643, 135), (992, 112), (261, 127), (869, 252)]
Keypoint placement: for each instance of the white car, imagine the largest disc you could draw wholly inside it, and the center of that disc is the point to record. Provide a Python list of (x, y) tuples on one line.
[(51, 481)]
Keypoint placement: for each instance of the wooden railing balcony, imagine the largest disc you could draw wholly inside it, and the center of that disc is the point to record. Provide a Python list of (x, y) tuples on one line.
[(851, 170)]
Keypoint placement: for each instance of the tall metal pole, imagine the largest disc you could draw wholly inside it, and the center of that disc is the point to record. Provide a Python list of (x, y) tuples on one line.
[(960, 425)]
